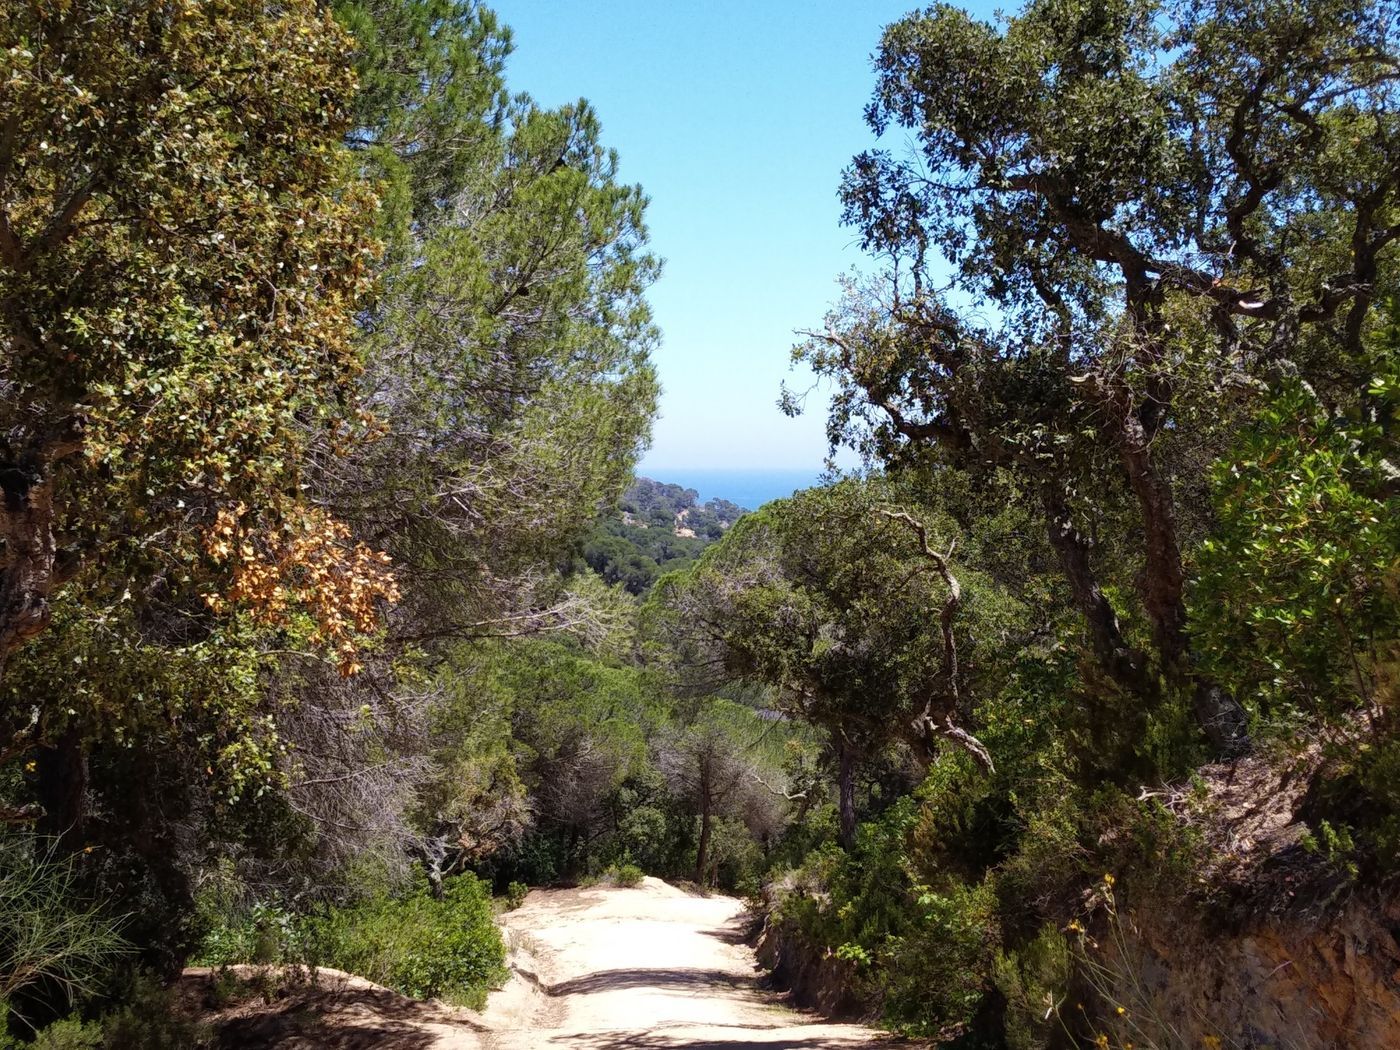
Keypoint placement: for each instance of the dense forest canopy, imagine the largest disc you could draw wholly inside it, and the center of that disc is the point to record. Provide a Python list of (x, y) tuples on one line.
[(333, 615)]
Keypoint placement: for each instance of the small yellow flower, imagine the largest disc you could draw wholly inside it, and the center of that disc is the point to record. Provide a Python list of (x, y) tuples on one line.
[(1212, 1042), (1101, 1041), (1122, 1011), (1109, 880), (1074, 926)]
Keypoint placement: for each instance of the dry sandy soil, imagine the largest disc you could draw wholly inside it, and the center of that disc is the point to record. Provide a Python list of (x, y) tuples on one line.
[(647, 968), (651, 967)]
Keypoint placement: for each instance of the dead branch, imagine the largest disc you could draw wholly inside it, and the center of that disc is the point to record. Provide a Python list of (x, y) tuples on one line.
[(791, 796), (926, 723)]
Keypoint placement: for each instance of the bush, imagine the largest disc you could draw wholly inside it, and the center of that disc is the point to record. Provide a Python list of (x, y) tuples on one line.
[(515, 895), (626, 875), (266, 933), (418, 945), (150, 1020), (69, 1034)]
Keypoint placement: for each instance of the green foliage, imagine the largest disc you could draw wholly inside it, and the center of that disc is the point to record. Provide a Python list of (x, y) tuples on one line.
[(634, 557), (69, 1034), (515, 895), (624, 875), (220, 401), (635, 550), (151, 1017), (183, 248), (922, 954), (1299, 592), (1111, 316), (796, 596), (411, 941), (1033, 980), (423, 947), (1298, 585), (646, 830), (148, 1019), (1148, 477), (264, 933)]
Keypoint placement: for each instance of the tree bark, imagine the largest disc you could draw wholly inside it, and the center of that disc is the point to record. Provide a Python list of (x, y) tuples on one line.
[(1163, 588), (30, 568), (702, 852), (1121, 661)]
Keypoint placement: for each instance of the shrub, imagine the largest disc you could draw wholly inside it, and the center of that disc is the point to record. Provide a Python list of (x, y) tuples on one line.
[(69, 1034), (266, 933), (1032, 980), (1298, 608), (626, 875), (515, 895), (150, 1019), (417, 945)]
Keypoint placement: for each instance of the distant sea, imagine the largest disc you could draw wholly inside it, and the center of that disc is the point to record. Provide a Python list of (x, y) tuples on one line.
[(750, 488)]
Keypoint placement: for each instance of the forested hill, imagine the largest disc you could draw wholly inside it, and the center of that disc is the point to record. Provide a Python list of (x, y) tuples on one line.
[(656, 527)]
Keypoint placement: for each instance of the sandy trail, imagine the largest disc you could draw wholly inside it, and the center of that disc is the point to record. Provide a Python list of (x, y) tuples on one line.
[(648, 968), (652, 968)]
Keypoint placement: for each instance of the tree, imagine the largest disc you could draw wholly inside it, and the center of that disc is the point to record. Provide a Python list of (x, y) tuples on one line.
[(582, 728), (290, 408), (709, 762), (181, 250), (829, 598), (508, 377), (1128, 186), (508, 348)]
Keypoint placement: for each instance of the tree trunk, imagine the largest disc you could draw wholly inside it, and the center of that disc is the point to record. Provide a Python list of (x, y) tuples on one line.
[(702, 852), (30, 567), (433, 850), (1163, 589), (1122, 662), (846, 782), (1221, 717), (1163, 580)]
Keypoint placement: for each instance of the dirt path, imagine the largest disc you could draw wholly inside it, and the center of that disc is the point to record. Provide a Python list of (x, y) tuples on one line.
[(650, 968)]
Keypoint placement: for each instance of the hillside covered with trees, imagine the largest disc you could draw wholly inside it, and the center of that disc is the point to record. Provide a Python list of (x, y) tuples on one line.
[(333, 618), (657, 528)]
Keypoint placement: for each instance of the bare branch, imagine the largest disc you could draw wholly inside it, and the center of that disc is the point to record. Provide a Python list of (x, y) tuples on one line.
[(925, 724), (791, 796)]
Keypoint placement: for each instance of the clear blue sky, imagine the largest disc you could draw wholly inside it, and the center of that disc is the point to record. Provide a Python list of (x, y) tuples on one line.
[(737, 118)]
